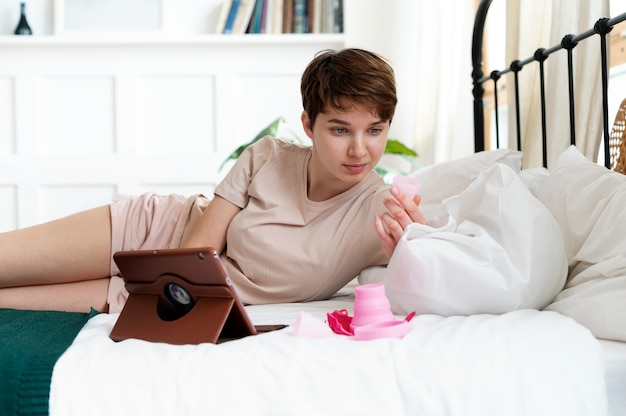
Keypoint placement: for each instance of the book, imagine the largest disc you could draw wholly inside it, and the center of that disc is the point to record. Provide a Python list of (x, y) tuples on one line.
[(338, 16), (299, 16), (277, 19), (232, 15), (288, 16), (221, 20), (329, 16), (316, 15), (244, 14), (255, 20), (264, 13)]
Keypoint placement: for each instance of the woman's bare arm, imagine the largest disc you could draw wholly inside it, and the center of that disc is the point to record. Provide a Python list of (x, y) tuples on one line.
[(210, 230)]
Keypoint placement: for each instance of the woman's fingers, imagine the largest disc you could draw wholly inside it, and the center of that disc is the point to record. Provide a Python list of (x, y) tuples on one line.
[(392, 227), (387, 242), (402, 212), (408, 210), (415, 212), (389, 231)]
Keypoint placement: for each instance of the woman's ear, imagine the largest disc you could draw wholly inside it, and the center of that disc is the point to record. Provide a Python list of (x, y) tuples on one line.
[(306, 124)]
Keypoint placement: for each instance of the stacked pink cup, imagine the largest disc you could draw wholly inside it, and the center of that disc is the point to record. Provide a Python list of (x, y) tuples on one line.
[(372, 314)]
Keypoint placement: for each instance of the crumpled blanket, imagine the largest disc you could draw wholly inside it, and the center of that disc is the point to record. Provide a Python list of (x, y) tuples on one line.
[(493, 248)]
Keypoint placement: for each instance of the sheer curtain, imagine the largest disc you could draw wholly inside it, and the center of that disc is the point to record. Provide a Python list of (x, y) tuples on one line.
[(443, 113), (429, 45), (534, 24)]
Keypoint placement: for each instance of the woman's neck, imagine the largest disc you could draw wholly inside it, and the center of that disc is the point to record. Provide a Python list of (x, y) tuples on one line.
[(320, 187)]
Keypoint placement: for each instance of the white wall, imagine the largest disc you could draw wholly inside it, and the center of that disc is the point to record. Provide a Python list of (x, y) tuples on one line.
[(54, 88), (87, 115)]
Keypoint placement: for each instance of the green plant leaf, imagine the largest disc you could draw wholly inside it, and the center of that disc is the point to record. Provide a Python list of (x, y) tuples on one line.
[(387, 173), (270, 130), (396, 147)]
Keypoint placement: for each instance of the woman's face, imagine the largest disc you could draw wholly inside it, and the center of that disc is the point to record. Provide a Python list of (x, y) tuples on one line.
[(347, 145)]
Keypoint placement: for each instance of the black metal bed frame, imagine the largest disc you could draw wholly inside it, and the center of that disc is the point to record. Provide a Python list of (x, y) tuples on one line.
[(601, 28)]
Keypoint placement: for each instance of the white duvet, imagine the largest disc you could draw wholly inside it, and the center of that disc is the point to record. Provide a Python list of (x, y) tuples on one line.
[(520, 363)]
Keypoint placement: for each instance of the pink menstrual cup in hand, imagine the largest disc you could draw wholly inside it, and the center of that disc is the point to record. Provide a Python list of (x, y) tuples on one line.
[(410, 186), (371, 305)]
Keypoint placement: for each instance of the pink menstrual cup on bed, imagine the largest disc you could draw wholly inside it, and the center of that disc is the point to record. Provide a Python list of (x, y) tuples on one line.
[(371, 306), (309, 326), (410, 186)]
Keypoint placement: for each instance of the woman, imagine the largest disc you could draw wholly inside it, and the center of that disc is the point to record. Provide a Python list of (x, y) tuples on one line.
[(293, 223)]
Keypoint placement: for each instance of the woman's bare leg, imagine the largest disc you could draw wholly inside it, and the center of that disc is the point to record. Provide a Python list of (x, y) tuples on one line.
[(68, 297), (76, 248)]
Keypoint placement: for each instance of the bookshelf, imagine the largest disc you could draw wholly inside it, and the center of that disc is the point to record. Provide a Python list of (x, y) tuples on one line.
[(280, 16), (184, 18)]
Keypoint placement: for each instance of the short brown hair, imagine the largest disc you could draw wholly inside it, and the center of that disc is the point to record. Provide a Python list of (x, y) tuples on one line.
[(358, 75)]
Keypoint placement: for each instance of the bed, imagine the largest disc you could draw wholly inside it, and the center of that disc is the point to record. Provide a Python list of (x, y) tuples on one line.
[(518, 284)]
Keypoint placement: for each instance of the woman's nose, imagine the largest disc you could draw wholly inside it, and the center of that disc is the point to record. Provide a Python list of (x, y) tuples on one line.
[(357, 146)]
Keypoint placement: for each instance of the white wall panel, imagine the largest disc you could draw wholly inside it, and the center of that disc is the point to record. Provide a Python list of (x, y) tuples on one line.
[(175, 114), (76, 115), (268, 96), (8, 208), (7, 115), (82, 120), (56, 201)]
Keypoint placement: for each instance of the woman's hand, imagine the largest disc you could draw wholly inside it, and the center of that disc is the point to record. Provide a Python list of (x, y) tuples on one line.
[(401, 212)]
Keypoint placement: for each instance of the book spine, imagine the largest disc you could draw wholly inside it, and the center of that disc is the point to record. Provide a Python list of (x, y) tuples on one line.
[(278, 17), (288, 16), (310, 7), (338, 16), (329, 16), (299, 16), (258, 12), (221, 20), (263, 23), (232, 15), (318, 17)]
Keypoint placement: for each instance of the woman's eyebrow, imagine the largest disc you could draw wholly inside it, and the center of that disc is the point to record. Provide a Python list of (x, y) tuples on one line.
[(339, 121)]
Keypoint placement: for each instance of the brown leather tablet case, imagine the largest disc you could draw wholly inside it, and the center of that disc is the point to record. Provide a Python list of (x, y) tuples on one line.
[(179, 296)]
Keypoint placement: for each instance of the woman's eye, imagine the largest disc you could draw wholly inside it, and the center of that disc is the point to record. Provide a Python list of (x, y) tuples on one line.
[(340, 130), (375, 131)]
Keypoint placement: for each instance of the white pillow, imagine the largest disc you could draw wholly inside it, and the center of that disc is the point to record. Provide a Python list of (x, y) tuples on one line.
[(446, 179), (534, 179), (498, 249), (588, 201)]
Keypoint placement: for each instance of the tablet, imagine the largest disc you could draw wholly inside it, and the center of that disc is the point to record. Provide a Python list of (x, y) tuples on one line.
[(179, 296)]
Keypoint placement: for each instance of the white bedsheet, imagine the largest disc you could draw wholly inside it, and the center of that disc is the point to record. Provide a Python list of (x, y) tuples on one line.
[(615, 374), (521, 363)]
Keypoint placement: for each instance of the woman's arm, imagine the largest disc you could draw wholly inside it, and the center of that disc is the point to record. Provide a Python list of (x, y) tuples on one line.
[(210, 229)]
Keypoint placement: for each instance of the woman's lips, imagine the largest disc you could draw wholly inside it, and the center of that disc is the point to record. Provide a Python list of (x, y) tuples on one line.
[(356, 168)]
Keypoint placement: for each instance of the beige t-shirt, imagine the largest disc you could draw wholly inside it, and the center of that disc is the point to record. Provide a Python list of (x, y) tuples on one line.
[(283, 247)]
